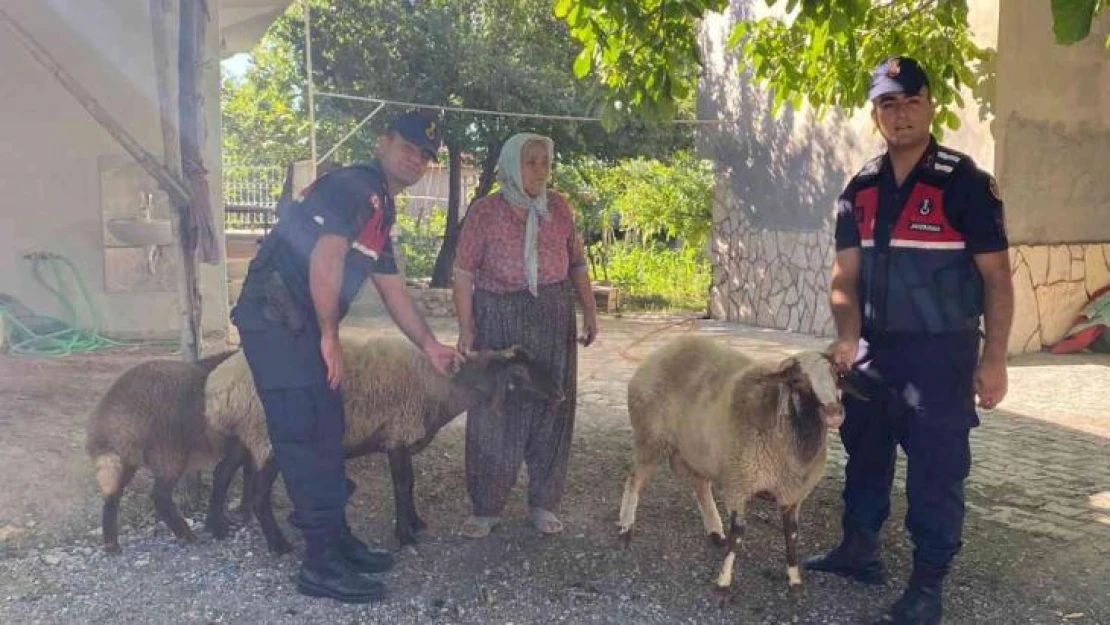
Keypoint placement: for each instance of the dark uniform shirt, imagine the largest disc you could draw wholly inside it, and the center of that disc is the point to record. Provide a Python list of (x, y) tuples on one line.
[(351, 202), (276, 301), (971, 206)]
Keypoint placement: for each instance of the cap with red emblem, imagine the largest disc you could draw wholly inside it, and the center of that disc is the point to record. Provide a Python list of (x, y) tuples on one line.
[(899, 74)]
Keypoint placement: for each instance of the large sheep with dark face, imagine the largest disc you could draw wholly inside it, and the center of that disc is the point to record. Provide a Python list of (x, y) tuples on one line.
[(394, 402), (758, 428)]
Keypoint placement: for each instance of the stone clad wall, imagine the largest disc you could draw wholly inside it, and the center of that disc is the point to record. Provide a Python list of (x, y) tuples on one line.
[(1052, 283), (771, 278)]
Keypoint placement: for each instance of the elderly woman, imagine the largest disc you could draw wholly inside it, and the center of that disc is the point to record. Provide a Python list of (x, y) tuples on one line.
[(519, 267)]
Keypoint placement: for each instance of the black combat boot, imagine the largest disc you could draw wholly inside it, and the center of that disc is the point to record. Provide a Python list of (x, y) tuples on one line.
[(360, 558), (328, 575), (921, 603), (857, 557)]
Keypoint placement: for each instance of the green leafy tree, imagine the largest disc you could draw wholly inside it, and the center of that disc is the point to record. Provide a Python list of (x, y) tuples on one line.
[(480, 54), (264, 121), (646, 53), (671, 200)]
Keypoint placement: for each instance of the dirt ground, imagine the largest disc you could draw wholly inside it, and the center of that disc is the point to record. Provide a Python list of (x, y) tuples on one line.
[(51, 569)]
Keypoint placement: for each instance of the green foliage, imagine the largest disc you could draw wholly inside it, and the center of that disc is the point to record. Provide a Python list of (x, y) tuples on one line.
[(483, 54), (823, 55), (263, 115), (646, 223), (655, 277), (590, 187), (645, 51), (651, 198), (666, 200), (418, 241), (1071, 19)]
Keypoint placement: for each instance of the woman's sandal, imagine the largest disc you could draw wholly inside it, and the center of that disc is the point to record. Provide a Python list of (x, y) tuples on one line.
[(546, 522), (479, 526)]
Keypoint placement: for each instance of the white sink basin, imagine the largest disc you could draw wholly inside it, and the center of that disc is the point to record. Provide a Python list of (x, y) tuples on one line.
[(141, 232)]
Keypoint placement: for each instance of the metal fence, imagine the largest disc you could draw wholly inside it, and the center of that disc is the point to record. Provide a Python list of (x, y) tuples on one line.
[(250, 196)]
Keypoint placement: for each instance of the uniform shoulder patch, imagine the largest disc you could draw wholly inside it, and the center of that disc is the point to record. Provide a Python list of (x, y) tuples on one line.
[(949, 156)]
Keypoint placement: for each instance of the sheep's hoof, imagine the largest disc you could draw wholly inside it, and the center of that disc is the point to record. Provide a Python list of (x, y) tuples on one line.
[(406, 539), (625, 538), (797, 591), (722, 595), (717, 540), (112, 548)]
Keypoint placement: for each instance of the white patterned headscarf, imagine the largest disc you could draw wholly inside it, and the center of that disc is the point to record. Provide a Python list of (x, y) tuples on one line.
[(512, 188)]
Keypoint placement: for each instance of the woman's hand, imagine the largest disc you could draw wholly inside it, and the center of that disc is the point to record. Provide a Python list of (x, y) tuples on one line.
[(589, 328), (466, 342), (333, 358)]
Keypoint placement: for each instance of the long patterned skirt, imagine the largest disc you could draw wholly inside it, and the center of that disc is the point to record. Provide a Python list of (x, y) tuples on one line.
[(527, 430)]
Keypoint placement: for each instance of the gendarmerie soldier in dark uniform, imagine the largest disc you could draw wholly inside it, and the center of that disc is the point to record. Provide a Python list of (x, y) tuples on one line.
[(921, 258), (298, 287)]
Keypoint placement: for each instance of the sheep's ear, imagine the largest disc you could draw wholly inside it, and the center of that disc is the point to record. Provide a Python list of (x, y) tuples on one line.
[(787, 369)]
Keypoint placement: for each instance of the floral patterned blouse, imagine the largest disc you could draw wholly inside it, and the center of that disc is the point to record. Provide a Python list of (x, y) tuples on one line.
[(491, 245)]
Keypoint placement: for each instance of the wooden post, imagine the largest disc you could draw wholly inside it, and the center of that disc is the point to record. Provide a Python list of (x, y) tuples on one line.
[(194, 22), (165, 27)]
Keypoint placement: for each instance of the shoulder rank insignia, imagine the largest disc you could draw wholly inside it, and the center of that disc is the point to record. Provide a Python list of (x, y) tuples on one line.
[(951, 157)]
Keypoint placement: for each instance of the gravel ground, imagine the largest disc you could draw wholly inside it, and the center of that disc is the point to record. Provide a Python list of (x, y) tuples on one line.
[(516, 576), (52, 570)]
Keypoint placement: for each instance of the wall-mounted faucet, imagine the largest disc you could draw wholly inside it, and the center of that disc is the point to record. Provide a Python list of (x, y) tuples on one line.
[(146, 203)]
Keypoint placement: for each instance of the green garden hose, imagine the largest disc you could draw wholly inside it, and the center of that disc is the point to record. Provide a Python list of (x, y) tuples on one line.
[(35, 335)]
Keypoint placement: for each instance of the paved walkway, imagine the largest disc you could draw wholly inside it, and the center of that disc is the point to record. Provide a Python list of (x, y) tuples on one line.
[(1041, 459)]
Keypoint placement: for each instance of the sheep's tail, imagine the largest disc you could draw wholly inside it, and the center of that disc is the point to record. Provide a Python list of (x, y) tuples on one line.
[(211, 362), (109, 473)]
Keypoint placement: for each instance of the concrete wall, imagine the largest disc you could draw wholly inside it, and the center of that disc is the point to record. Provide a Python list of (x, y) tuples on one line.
[(1053, 129), (778, 179), (51, 149)]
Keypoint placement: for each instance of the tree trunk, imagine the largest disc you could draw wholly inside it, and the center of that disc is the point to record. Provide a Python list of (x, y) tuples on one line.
[(441, 275), (486, 179)]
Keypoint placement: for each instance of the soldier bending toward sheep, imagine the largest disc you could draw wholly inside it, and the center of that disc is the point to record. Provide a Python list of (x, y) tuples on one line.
[(297, 289)]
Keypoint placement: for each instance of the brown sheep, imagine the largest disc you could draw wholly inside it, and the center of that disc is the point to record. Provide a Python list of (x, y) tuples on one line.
[(757, 428), (152, 416), (394, 402)]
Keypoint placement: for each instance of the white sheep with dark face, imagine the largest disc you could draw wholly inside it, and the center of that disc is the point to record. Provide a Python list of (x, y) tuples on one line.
[(758, 428)]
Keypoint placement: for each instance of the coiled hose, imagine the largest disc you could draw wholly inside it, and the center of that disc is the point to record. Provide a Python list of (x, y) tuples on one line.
[(36, 335)]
